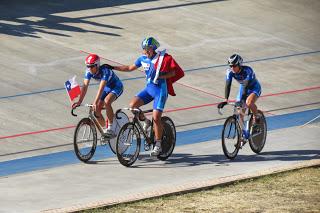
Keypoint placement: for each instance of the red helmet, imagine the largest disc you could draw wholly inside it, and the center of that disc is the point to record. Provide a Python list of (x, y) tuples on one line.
[(92, 59)]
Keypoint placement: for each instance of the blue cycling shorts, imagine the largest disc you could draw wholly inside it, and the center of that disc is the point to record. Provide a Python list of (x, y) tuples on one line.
[(256, 89), (117, 89), (154, 92)]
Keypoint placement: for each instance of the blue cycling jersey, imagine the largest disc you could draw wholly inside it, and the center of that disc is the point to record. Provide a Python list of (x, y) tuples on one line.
[(153, 91), (149, 68), (245, 76), (104, 74), (247, 79)]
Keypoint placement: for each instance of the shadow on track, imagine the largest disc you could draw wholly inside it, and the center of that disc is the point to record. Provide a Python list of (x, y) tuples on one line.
[(187, 160)]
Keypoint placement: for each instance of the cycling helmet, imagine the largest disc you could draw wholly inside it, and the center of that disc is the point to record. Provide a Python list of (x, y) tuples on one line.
[(234, 60), (150, 42), (92, 60)]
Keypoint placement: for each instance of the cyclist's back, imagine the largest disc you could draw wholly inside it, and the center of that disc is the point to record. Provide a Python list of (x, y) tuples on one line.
[(104, 74)]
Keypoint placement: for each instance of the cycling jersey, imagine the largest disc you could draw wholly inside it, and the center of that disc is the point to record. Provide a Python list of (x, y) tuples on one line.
[(248, 82), (156, 91), (114, 84)]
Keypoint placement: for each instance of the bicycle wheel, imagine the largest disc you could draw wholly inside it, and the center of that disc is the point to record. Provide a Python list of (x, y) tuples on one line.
[(119, 120), (168, 142), (85, 139), (128, 144), (169, 121), (258, 134), (231, 137)]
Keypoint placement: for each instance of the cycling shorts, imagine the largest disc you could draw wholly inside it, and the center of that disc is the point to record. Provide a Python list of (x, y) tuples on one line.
[(256, 89), (154, 92), (117, 89)]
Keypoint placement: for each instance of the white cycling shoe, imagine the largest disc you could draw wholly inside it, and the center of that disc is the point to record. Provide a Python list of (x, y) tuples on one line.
[(156, 151)]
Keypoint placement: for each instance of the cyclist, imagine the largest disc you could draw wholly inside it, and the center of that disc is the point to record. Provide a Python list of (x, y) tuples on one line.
[(250, 88), (157, 88), (110, 89)]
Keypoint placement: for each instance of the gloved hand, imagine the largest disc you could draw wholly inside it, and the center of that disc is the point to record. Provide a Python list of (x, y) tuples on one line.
[(222, 104), (76, 104)]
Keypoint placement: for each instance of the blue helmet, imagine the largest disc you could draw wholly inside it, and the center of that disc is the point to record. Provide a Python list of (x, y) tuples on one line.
[(150, 42)]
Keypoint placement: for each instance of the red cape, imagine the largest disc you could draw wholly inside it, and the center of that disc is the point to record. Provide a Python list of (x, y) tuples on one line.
[(169, 65)]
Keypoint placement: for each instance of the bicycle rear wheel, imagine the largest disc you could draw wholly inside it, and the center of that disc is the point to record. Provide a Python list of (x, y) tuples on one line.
[(231, 137), (128, 144), (85, 139), (169, 121), (259, 134), (168, 142), (119, 120)]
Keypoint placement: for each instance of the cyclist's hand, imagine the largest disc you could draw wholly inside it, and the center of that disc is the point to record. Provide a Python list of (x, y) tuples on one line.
[(109, 66), (75, 105), (94, 106), (222, 104)]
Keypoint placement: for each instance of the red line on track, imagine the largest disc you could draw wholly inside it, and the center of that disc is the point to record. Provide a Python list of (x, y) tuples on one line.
[(217, 96), (291, 91), (36, 132)]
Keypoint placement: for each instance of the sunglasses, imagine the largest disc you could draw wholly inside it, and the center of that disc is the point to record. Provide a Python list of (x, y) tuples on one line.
[(91, 65), (233, 65)]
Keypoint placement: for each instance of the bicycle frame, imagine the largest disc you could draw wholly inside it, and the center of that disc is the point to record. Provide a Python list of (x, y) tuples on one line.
[(91, 116), (136, 122), (240, 113)]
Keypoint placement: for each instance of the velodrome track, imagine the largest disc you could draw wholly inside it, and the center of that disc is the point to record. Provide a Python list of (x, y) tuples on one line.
[(44, 44)]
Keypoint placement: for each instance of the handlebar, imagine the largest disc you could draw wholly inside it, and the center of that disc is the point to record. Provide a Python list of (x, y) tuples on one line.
[(222, 104), (135, 110), (86, 105)]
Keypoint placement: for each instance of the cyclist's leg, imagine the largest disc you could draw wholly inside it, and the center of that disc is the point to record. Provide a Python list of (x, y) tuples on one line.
[(141, 99), (160, 98), (99, 115), (251, 100), (156, 114), (253, 95), (112, 95), (241, 98)]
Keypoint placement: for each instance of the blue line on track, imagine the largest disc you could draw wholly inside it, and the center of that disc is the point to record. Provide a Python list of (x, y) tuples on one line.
[(187, 70), (183, 138)]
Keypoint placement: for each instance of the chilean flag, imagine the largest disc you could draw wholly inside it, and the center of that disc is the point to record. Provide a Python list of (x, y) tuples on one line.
[(73, 88), (168, 64)]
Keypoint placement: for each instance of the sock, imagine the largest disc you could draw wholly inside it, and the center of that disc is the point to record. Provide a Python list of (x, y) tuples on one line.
[(158, 143), (110, 126)]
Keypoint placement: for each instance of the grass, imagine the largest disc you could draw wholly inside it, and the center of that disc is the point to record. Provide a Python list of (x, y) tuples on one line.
[(294, 191)]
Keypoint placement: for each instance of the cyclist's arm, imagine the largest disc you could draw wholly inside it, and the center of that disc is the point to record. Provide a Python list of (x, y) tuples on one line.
[(167, 75), (100, 90), (125, 68), (227, 89), (83, 90)]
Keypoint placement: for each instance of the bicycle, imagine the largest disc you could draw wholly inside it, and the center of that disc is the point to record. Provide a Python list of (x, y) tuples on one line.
[(236, 133), (129, 138), (85, 135)]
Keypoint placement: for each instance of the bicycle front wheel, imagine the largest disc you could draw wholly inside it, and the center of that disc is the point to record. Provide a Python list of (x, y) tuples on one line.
[(258, 134), (128, 144), (231, 137), (119, 120), (168, 142), (85, 139)]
